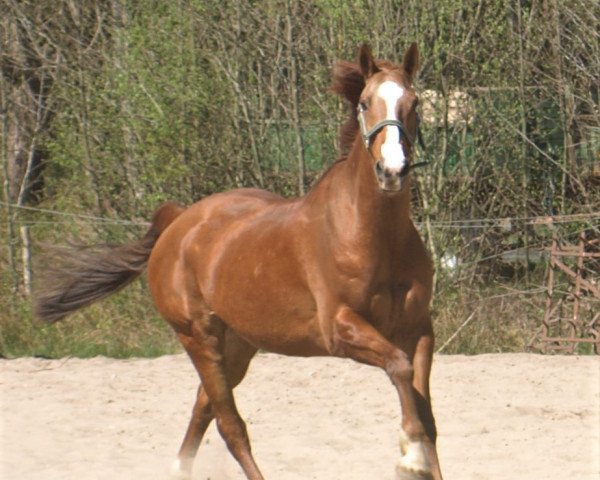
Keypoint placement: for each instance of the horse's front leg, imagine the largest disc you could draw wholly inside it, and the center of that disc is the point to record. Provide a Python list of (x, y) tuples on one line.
[(422, 360), (355, 338)]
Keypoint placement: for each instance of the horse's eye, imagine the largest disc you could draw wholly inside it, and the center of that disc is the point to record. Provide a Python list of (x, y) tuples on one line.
[(362, 106)]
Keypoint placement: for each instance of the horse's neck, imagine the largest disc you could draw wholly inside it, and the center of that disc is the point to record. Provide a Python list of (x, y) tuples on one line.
[(359, 212)]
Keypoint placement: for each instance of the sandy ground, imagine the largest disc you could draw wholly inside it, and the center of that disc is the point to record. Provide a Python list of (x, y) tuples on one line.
[(499, 416)]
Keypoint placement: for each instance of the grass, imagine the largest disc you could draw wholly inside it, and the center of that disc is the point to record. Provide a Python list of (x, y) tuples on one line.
[(503, 317), (499, 319), (125, 325)]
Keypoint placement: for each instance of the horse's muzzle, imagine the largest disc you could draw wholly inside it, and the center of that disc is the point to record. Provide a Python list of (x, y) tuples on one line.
[(390, 179)]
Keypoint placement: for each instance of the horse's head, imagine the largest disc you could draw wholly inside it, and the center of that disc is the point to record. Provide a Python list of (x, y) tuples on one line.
[(387, 115)]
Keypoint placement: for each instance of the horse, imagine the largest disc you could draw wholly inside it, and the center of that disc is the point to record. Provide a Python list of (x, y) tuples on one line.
[(340, 271)]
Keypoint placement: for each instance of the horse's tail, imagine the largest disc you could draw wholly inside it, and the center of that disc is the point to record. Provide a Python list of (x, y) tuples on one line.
[(87, 274)]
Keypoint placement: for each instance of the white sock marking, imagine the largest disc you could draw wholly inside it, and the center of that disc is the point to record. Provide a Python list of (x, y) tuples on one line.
[(414, 458), (177, 473)]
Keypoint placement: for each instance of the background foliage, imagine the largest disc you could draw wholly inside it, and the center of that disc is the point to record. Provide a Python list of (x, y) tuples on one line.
[(110, 107)]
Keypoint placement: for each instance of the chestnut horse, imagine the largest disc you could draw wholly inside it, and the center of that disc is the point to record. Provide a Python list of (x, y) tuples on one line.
[(340, 271)]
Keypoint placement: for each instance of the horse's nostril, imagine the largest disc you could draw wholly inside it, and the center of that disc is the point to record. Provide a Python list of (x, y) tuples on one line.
[(388, 174), (378, 167)]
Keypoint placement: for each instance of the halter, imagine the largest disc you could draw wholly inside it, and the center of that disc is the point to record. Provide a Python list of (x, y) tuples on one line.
[(367, 135)]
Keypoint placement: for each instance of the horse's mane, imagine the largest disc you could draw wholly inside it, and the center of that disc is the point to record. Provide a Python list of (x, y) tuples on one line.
[(349, 82)]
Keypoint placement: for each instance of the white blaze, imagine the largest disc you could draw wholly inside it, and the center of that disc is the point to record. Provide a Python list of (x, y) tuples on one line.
[(391, 150)]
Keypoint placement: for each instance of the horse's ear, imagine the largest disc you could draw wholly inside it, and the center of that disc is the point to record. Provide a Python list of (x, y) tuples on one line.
[(366, 61), (411, 61)]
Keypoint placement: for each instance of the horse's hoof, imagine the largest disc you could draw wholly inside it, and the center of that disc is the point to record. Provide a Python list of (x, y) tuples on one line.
[(414, 464), (178, 473), (405, 473)]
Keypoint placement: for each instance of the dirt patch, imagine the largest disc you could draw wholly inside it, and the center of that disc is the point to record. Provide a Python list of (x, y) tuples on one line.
[(514, 416)]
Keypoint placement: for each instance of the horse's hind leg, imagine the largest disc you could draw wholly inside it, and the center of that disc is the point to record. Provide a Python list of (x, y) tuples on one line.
[(237, 356), (222, 359), (201, 418)]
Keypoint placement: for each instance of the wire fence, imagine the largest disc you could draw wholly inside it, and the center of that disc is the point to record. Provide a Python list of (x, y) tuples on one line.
[(477, 301), (505, 223), (84, 216)]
